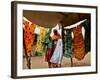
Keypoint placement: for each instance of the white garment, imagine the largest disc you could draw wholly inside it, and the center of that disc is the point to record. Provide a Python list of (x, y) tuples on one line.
[(58, 54)]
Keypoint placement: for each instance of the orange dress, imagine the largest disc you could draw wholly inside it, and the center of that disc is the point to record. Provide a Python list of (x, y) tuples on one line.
[(78, 43), (29, 37)]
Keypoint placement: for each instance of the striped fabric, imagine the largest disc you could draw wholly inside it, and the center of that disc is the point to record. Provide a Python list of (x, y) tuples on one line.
[(78, 43)]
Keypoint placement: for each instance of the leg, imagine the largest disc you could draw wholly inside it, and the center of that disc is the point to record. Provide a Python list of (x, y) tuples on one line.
[(29, 61), (59, 65), (49, 64)]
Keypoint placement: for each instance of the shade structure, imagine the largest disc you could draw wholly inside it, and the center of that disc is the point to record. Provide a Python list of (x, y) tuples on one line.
[(44, 19), (51, 19)]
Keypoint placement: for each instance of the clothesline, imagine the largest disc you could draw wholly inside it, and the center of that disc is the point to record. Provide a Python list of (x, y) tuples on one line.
[(74, 25), (67, 27), (27, 20)]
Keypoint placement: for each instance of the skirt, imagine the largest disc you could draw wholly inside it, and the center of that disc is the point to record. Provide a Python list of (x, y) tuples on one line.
[(48, 54)]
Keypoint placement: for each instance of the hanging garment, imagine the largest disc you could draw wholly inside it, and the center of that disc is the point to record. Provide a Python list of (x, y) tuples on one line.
[(29, 37), (87, 27), (57, 54), (39, 45), (78, 43), (68, 43)]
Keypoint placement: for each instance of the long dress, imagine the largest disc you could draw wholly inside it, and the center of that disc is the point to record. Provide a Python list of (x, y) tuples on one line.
[(78, 43), (49, 53), (48, 46), (39, 45), (68, 43), (87, 27), (57, 54), (29, 37)]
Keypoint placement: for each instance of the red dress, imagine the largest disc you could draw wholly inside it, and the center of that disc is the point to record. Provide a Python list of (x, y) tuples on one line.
[(78, 43)]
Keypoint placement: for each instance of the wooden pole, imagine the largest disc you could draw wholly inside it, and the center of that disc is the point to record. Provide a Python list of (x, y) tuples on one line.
[(71, 62)]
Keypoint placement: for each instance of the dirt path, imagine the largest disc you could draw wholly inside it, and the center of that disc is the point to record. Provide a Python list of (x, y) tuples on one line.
[(39, 62)]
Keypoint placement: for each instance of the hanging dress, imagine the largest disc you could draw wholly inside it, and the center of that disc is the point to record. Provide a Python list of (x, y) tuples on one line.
[(87, 27), (78, 43), (29, 37), (39, 45), (68, 43), (57, 54)]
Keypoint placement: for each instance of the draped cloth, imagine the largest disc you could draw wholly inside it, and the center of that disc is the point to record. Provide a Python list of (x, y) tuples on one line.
[(40, 45), (29, 36), (78, 43), (57, 54), (68, 43), (87, 27)]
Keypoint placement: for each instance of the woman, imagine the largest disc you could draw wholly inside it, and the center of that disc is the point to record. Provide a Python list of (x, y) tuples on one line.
[(49, 51), (48, 45), (56, 50)]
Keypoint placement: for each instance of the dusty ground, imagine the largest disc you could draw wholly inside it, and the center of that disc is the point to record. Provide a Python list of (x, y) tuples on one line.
[(39, 62)]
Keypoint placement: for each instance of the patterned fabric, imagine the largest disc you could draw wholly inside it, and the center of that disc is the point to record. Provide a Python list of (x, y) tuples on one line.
[(78, 43), (39, 45), (68, 43), (29, 36)]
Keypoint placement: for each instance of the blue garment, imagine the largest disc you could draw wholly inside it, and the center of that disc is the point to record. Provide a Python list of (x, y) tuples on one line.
[(58, 54), (49, 45)]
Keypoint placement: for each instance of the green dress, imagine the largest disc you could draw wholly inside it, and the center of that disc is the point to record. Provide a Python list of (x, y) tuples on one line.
[(46, 41), (67, 43)]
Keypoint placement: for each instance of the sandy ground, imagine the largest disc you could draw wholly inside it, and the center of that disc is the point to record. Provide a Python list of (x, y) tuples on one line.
[(39, 62)]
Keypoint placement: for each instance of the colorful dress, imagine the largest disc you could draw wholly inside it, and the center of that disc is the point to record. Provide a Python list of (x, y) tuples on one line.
[(47, 46), (68, 43), (39, 45), (78, 43), (28, 37)]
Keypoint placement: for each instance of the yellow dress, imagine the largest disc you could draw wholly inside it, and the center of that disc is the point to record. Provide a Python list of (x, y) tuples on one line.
[(39, 45)]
